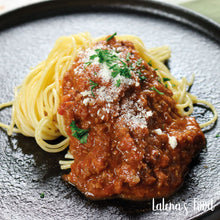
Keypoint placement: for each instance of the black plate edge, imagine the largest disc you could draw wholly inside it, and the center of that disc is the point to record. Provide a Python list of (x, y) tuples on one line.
[(210, 215), (52, 8), (177, 13)]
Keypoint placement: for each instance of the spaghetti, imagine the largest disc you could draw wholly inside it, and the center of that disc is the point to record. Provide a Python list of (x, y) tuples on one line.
[(34, 109)]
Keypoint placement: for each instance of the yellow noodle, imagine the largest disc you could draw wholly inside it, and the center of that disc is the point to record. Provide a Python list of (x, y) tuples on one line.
[(34, 109)]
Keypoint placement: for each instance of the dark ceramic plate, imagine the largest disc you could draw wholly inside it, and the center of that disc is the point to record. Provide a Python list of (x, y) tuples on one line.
[(26, 37)]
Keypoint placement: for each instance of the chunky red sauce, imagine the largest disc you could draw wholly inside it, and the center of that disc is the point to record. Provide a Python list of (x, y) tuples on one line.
[(138, 146)]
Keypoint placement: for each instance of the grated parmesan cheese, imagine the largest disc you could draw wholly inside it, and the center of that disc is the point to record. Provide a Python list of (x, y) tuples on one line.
[(105, 73), (148, 114), (172, 141), (86, 93), (158, 131), (108, 94), (86, 101), (136, 118)]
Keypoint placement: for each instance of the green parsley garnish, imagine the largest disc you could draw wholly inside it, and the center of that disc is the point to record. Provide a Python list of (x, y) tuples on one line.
[(109, 38), (92, 57), (87, 64), (123, 71), (150, 63), (42, 195), (166, 85), (93, 84), (173, 85), (159, 80), (116, 70), (105, 56), (95, 73), (139, 62), (139, 72), (155, 89), (79, 133), (118, 82), (142, 77), (156, 69), (218, 135), (127, 57), (165, 79), (131, 67), (143, 67)]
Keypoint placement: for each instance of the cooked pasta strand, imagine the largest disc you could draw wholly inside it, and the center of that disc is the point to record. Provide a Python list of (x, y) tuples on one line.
[(34, 109)]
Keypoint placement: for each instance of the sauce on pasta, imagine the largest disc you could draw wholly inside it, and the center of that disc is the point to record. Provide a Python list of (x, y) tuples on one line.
[(125, 117), (127, 137)]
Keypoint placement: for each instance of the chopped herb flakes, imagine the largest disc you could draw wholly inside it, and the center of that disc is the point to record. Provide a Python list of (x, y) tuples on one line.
[(116, 65), (118, 83), (165, 79), (116, 70), (139, 62), (93, 84), (42, 195), (87, 64), (105, 56), (139, 72), (79, 133), (218, 135), (131, 67), (142, 77), (155, 89), (150, 63), (123, 71), (109, 38), (127, 57)]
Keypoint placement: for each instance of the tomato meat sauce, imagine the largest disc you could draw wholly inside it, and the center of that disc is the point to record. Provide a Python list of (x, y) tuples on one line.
[(135, 145)]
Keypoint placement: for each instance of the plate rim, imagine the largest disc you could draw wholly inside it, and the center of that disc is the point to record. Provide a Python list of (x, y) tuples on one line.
[(176, 13), (52, 8)]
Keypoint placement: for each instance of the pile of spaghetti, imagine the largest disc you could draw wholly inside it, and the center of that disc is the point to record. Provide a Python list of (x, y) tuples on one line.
[(34, 109)]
